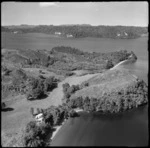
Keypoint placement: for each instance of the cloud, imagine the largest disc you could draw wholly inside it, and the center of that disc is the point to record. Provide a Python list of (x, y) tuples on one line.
[(47, 4)]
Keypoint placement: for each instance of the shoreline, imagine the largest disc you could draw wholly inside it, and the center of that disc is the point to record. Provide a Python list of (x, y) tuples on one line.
[(120, 63), (58, 127)]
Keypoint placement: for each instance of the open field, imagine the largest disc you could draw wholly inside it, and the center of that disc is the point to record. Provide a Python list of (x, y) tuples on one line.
[(112, 80), (20, 116)]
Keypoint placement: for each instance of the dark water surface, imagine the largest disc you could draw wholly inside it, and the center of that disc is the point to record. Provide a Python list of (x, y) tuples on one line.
[(95, 129), (125, 129)]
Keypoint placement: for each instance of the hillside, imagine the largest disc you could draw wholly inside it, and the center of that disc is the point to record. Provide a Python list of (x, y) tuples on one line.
[(63, 59), (80, 31), (112, 91)]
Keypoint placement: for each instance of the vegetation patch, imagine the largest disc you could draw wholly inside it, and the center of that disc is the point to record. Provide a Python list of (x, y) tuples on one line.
[(80, 31), (113, 91)]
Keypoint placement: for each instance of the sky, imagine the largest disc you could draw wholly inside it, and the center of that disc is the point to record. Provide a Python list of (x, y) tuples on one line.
[(58, 13)]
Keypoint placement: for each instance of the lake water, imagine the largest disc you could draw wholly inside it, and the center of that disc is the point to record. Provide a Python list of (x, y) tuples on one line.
[(95, 129), (124, 129)]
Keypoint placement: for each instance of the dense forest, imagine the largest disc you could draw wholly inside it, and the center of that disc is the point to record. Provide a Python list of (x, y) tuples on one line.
[(80, 31), (132, 96)]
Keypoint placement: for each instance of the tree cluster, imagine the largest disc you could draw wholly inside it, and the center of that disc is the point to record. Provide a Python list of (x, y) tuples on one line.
[(34, 135), (69, 90), (84, 60), (80, 31), (66, 49), (37, 88), (113, 102)]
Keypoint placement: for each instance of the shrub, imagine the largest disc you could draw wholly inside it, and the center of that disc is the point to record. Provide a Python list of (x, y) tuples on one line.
[(35, 135), (72, 103), (35, 94), (69, 73), (65, 87), (79, 102), (3, 105), (31, 140), (72, 113)]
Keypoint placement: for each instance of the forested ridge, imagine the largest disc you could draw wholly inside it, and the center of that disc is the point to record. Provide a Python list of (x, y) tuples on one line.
[(80, 31)]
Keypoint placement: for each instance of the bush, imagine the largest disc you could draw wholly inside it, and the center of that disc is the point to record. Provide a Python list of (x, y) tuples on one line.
[(3, 105), (35, 135), (69, 73), (79, 102), (65, 87), (72, 113), (35, 94), (72, 103), (49, 84), (37, 88)]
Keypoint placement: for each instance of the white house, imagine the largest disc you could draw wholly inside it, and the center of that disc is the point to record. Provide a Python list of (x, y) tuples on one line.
[(58, 33), (118, 34), (39, 117), (69, 35), (15, 32)]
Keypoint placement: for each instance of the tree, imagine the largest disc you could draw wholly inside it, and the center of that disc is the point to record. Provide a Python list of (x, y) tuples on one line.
[(72, 113), (36, 93), (35, 134), (48, 118), (79, 102), (93, 104), (87, 100), (72, 103), (30, 140), (109, 64), (49, 84), (3, 105), (65, 87)]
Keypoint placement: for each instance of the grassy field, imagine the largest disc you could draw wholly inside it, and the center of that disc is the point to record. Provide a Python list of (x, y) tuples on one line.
[(112, 80), (20, 115)]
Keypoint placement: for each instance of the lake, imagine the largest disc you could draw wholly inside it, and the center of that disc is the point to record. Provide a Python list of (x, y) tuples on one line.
[(124, 129), (95, 129)]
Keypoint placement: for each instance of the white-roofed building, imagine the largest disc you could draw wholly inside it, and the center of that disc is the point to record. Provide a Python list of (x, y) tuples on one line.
[(58, 33)]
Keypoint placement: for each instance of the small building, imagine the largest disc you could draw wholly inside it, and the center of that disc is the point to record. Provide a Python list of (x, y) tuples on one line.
[(15, 32), (57, 33), (39, 118), (118, 34), (69, 35)]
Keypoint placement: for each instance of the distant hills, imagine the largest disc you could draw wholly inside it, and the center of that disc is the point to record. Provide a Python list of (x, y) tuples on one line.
[(80, 31)]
